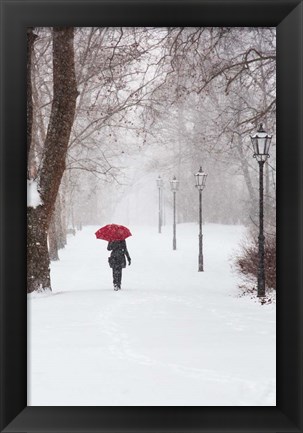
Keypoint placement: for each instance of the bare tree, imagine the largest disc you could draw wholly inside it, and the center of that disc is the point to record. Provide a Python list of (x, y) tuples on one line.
[(53, 163)]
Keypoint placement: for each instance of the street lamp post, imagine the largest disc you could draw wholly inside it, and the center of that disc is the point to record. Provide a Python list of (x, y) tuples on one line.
[(174, 183), (261, 143), (160, 185), (200, 184)]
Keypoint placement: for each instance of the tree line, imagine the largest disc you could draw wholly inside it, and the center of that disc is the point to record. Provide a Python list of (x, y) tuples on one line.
[(95, 95)]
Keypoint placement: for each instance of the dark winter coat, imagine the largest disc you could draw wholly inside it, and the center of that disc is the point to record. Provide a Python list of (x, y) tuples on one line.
[(118, 252)]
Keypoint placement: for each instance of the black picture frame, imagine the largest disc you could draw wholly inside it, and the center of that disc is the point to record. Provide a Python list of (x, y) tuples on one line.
[(287, 16)]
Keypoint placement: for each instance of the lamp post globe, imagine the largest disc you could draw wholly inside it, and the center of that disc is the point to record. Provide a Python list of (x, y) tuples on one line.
[(200, 177), (174, 184), (261, 144)]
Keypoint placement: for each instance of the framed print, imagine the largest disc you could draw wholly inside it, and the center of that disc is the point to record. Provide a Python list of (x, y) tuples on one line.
[(71, 399)]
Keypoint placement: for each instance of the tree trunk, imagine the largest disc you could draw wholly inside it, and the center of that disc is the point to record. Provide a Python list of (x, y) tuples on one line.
[(38, 275), (29, 108), (53, 164), (53, 239), (62, 116), (60, 223), (63, 239), (246, 175)]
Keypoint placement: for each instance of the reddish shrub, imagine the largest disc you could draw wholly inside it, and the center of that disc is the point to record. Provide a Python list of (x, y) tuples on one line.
[(247, 262)]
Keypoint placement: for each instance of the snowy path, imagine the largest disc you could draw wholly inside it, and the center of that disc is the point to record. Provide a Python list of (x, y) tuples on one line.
[(171, 336)]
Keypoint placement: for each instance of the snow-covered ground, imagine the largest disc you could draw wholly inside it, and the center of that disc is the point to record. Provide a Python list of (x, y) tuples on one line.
[(172, 336)]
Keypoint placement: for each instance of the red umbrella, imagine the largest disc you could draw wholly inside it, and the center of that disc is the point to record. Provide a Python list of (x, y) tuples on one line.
[(113, 232)]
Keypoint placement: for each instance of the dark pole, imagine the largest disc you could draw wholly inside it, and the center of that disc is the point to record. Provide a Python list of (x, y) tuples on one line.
[(174, 228), (160, 210), (261, 269), (200, 232)]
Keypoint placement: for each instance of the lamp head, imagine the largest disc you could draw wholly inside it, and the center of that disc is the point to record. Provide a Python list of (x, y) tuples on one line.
[(174, 184), (159, 181), (261, 144), (200, 179)]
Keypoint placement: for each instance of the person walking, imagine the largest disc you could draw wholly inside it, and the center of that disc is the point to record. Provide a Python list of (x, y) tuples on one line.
[(117, 260)]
